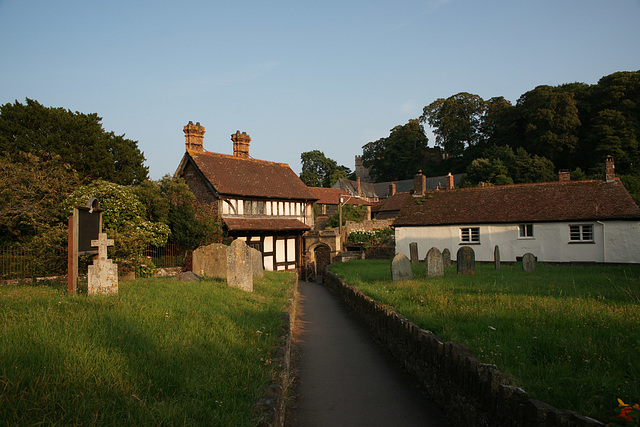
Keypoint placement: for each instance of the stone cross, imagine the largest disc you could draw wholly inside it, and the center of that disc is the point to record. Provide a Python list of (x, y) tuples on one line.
[(102, 244)]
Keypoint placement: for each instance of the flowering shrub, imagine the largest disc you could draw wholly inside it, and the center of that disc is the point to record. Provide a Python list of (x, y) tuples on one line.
[(382, 236)]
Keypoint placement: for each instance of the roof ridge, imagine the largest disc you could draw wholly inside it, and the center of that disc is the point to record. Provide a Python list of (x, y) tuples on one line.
[(231, 156), (522, 184)]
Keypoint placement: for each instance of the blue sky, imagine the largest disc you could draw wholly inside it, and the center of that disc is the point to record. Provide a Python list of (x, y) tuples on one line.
[(297, 75)]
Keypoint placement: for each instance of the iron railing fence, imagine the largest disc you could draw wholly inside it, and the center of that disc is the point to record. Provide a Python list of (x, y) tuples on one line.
[(19, 263)]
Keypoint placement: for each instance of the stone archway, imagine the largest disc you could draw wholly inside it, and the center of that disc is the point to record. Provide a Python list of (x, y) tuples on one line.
[(320, 248), (322, 256)]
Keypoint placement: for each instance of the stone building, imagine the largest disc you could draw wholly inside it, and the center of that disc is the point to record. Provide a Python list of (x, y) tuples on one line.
[(261, 202)]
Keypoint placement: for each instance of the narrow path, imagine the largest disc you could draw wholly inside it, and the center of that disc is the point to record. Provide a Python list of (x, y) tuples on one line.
[(344, 378)]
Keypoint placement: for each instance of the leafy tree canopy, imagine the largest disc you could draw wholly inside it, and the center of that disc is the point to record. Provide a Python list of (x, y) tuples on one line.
[(398, 156), (79, 139), (321, 171)]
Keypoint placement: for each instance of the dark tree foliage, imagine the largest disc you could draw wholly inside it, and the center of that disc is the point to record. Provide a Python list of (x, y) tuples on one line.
[(170, 201), (398, 156), (354, 213), (321, 171), (79, 139)]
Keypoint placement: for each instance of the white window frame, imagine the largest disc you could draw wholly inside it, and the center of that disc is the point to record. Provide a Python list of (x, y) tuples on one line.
[(581, 233), (525, 231), (470, 235)]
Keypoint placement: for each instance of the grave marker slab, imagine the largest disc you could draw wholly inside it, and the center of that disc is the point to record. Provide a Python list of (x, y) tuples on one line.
[(210, 261), (102, 276), (529, 262), (256, 262), (401, 268), (496, 257), (446, 258), (435, 266), (413, 252), (466, 260), (239, 269)]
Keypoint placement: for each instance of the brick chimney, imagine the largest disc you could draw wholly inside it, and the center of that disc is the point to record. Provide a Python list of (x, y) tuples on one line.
[(392, 189), (194, 134), (564, 175), (358, 187), (419, 184), (241, 144), (609, 169), (449, 182)]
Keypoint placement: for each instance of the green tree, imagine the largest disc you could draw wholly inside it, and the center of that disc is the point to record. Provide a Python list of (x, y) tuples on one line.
[(398, 156), (124, 219), (78, 138), (356, 213), (321, 171), (32, 189), (456, 121), (550, 124)]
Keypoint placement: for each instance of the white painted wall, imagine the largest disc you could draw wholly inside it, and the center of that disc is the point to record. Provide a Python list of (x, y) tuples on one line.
[(613, 241)]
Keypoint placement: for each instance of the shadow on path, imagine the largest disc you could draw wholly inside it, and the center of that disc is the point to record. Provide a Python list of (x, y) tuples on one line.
[(343, 377)]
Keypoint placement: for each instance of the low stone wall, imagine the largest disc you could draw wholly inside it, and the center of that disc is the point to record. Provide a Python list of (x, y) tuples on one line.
[(470, 392), (271, 404)]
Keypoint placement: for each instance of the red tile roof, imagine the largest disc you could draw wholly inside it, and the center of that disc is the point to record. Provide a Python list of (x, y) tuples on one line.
[(265, 224), (331, 196), (392, 204), (539, 202), (237, 176)]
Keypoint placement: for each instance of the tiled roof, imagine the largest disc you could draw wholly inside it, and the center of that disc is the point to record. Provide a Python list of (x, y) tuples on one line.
[(232, 175), (392, 204), (381, 189), (539, 202), (265, 224), (331, 196)]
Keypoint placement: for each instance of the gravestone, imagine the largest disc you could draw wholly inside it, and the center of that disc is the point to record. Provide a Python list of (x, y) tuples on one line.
[(401, 268), (413, 252), (187, 276), (210, 261), (529, 263), (446, 258), (102, 276), (496, 257), (239, 266), (466, 260), (256, 262), (435, 267)]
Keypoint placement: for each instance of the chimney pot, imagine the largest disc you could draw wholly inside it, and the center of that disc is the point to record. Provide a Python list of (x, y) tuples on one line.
[(392, 189), (194, 135), (564, 175), (241, 144), (449, 182), (419, 184), (609, 169)]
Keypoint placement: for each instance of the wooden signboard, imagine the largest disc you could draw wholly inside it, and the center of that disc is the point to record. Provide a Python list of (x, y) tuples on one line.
[(84, 226)]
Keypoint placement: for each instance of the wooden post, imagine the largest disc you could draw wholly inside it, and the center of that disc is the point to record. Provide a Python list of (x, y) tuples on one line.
[(72, 258)]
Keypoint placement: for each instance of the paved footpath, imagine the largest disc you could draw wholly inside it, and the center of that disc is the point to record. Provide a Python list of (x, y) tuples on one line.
[(344, 377)]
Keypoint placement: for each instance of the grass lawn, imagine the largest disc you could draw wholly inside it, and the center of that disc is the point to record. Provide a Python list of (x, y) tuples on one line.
[(160, 353), (568, 335)]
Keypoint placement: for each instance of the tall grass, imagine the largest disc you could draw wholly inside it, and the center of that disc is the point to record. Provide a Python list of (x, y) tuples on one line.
[(161, 352), (569, 335)]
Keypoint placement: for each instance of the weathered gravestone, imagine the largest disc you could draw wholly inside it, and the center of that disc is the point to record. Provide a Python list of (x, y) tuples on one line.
[(401, 268), (413, 252), (529, 262), (256, 262), (239, 266), (446, 258), (210, 261), (435, 267), (466, 260), (102, 276), (496, 257)]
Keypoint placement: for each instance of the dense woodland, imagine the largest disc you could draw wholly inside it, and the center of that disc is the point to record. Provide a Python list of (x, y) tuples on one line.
[(572, 126)]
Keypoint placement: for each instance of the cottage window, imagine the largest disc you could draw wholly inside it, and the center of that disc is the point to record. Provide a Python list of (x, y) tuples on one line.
[(261, 208), (470, 235), (525, 231), (581, 233)]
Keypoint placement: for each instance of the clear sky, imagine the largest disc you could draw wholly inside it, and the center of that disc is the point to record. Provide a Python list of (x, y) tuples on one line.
[(297, 75)]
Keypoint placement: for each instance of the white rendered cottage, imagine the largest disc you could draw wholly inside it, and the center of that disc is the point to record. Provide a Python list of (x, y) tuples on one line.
[(594, 221)]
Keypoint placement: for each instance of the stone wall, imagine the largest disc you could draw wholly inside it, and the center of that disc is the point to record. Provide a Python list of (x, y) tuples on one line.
[(470, 392)]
